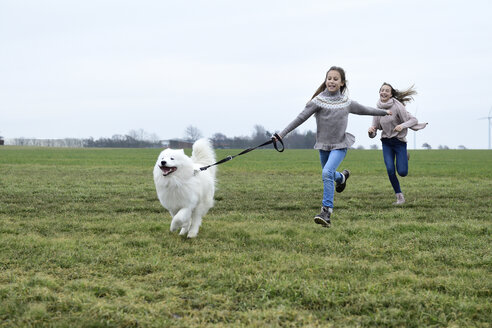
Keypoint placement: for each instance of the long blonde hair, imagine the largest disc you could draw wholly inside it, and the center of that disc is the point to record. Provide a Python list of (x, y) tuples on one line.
[(403, 96), (322, 87)]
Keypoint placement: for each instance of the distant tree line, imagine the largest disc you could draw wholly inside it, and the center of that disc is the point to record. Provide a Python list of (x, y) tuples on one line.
[(67, 142), (133, 139), (125, 141), (294, 140), (141, 139)]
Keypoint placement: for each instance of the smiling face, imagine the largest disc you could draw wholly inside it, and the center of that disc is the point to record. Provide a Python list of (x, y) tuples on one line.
[(385, 93), (169, 160), (334, 81)]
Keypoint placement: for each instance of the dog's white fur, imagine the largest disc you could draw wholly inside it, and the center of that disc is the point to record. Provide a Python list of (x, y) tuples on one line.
[(187, 193)]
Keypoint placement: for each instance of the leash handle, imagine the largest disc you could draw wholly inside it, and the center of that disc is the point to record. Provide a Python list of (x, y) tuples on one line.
[(276, 138)]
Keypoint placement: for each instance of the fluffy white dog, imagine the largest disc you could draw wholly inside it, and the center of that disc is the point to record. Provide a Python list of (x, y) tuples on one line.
[(185, 191)]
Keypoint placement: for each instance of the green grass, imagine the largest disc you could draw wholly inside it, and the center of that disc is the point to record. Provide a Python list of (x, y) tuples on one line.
[(84, 242)]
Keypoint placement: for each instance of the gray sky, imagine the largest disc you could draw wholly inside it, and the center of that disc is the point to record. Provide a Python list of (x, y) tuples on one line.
[(96, 68)]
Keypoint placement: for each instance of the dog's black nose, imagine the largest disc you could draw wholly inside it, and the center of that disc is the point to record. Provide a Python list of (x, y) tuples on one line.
[(163, 163)]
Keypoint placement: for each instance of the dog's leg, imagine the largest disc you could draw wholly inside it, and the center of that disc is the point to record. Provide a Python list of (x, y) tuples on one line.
[(181, 219), (195, 226), (196, 221)]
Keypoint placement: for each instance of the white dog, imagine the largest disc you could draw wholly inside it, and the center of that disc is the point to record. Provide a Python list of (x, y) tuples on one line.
[(185, 191)]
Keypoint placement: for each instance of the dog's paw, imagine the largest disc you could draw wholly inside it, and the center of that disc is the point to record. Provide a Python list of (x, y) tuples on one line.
[(192, 234), (183, 231), (175, 225)]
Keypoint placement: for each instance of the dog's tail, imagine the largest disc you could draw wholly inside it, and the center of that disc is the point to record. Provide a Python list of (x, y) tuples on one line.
[(203, 153)]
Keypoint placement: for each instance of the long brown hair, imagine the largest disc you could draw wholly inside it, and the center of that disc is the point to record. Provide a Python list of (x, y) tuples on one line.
[(322, 87), (403, 96)]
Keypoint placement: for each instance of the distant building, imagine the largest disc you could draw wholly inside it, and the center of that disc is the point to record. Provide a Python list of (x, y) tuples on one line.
[(179, 144), (1, 141)]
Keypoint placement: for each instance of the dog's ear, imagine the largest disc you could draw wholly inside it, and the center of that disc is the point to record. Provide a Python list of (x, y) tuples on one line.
[(182, 151)]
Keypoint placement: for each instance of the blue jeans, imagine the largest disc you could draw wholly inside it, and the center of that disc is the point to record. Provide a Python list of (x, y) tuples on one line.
[(330, 160), (394, 149)]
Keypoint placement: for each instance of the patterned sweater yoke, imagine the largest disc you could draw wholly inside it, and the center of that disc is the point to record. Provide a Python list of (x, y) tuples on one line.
[(331, 112)]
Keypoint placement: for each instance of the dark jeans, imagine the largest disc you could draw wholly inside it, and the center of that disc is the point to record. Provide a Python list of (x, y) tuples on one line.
[(394, 149)]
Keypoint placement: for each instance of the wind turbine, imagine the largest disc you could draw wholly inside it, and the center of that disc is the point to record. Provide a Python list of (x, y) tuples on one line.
[(488, 118)]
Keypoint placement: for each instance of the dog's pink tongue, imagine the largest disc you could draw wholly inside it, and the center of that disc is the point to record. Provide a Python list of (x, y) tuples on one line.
[(167, 170)]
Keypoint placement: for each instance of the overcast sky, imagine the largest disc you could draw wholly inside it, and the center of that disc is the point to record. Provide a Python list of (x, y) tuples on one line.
[(96, 68)]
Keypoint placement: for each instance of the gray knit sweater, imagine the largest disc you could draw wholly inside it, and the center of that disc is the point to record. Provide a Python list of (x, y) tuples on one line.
[(331, 111)]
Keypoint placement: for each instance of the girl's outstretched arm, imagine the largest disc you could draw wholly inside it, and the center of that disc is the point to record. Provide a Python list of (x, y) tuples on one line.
[(356, 108), (309, 110)]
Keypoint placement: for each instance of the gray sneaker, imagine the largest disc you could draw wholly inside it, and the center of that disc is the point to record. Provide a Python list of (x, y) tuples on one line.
[(324, 217), (341, 186)]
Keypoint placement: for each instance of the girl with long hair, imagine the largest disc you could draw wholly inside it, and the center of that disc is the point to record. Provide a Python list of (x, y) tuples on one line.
[(394, 130), (331, 106)]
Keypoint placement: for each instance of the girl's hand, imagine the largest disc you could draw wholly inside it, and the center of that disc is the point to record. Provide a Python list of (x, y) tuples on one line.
[(398, 128), (388, 112), (372, 132)]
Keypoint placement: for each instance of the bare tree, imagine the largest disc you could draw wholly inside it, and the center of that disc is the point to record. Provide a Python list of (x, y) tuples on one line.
[(139, 134), (259, 134), (219, 136), (192, 133), (142, 135), (153, 137), (220, 140)]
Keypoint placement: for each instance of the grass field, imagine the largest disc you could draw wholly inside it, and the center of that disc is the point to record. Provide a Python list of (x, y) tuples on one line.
[(84, 242)]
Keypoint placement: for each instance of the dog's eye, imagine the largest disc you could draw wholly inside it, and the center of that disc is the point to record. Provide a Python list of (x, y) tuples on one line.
[(172, 158)]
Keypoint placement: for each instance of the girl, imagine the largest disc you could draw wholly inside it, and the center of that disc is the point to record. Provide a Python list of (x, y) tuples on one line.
[(394, 129), (331, 106)]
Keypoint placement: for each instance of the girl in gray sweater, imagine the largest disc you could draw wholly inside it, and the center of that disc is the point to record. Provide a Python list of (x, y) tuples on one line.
[(331, 106)]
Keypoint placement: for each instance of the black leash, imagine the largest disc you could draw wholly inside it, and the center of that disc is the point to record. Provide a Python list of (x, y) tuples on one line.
[(273, 140)]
